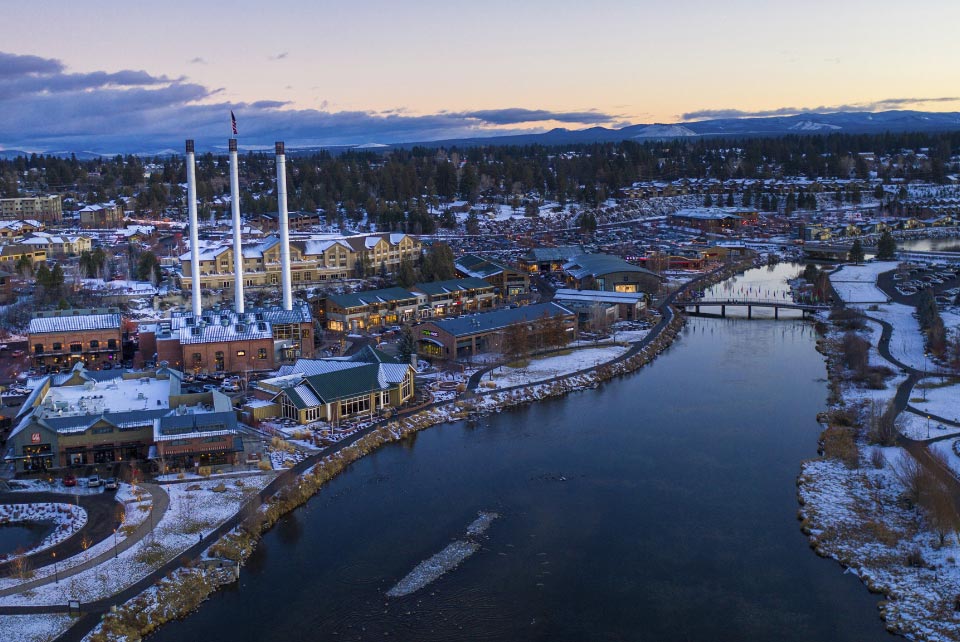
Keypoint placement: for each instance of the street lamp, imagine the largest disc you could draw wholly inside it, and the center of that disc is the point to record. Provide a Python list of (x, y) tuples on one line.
[(56, 573), (115, 544)]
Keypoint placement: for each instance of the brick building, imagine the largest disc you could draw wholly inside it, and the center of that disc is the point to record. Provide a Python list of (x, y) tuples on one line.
[(62, 338), (224, 341)]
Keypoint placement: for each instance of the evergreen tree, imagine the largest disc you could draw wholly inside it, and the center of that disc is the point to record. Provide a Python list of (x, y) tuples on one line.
[(707, 200), (406, 273), (406, 344), (886, 246), (856, 252)]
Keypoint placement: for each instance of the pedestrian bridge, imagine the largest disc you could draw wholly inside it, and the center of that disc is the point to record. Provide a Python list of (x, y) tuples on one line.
[(693, 306)]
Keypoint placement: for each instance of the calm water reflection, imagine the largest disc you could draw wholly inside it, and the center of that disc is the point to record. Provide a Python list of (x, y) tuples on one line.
[(676, 522)]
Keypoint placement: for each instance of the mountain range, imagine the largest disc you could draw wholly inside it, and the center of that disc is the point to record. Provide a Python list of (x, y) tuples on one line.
[(846, 122)]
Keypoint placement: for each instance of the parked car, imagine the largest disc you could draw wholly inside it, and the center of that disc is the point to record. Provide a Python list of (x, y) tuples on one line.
[(93, 481), (111, 484), (69, 480), (17, 353)]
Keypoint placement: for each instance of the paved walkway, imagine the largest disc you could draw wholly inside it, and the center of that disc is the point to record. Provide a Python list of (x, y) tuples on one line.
[(160, 501), (917, 448)]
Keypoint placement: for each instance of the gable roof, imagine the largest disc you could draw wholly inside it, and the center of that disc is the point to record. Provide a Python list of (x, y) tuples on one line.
[(452, 285), (600, 264), (358, 299), (77, 323), (488, 321)]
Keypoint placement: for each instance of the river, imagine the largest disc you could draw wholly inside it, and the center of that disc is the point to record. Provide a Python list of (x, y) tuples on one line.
[(660, 506)]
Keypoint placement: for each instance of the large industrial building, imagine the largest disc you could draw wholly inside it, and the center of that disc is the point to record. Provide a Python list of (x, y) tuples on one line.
[(233, 340), (228, 341)]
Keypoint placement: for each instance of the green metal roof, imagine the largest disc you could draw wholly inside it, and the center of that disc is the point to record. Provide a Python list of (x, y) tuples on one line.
[(452, 285)]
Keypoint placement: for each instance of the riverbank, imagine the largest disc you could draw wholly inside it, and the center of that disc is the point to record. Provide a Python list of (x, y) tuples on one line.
[(871, 501)]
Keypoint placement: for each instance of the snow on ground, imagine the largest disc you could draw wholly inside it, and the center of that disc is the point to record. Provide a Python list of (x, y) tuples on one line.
[(67, 520), (136, 511), (53, 486), (943, 402), (855, 516), (917, 427), (949, 449), (906, 343), (195, 508), (548, 367), (858, 283), (34, 628)]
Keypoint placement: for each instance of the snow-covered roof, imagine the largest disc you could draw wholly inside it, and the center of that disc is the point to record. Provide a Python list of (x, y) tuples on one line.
[(76, 323)]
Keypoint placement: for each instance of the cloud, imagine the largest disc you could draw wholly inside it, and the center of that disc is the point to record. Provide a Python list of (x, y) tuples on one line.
[(197, 61), (878, 105), (13, 65), (47, 108), (280, 56)]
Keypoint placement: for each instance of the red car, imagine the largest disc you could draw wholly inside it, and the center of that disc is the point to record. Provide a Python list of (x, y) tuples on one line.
[(17, 353), (69, 480)]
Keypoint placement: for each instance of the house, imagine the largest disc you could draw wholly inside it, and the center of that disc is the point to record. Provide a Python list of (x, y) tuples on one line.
[(367, 384), (18, 229), (16, 251)]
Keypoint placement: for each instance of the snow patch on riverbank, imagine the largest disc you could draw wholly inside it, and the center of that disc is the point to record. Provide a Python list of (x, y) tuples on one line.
[(551, 366), (856, 517)]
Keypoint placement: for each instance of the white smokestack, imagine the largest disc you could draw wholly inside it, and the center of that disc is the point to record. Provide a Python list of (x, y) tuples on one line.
[(284, 227), (194, 234), (237, 246)]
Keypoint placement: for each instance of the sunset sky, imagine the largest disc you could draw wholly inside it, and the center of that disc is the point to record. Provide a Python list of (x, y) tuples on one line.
[(137, 77)]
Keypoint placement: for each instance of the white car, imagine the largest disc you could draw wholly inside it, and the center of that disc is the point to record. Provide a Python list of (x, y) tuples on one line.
[(93, 481)]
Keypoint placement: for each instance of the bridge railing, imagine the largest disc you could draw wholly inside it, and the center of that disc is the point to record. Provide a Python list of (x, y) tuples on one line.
[(739, 301)]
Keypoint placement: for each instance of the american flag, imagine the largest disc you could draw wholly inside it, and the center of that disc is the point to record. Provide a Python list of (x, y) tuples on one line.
[(233, 122)]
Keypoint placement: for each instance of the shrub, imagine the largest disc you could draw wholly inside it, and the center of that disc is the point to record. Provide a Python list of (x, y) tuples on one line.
[(915, 559), (839, 442)]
